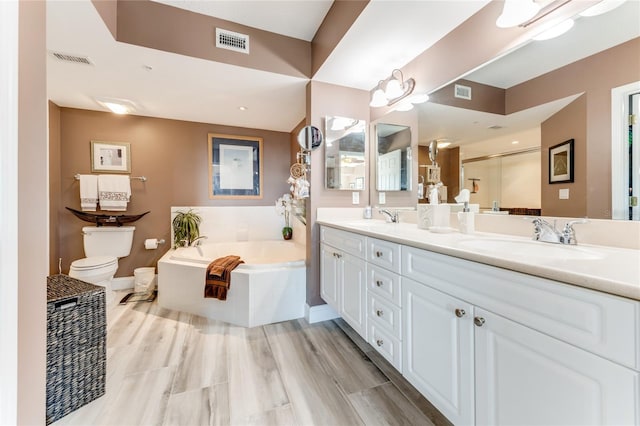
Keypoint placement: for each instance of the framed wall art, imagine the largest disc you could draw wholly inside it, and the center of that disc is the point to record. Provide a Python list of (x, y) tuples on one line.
[(112, 157), (561, 162), (235, 166)]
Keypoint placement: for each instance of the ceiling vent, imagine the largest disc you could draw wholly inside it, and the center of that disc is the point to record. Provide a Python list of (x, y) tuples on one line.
[(71, 58), (462, 92), (495, 127), (232, 41)]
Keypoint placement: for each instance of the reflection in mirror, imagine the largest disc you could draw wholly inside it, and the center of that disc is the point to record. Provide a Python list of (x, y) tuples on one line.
[(508, 183), (344, 153), (309, 138), (559, 88), (393, 157)]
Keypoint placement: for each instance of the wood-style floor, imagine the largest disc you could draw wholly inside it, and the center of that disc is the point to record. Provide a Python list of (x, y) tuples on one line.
[(171, 368)]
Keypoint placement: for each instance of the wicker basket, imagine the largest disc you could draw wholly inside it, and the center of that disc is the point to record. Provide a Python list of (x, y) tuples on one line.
[(76, 345)]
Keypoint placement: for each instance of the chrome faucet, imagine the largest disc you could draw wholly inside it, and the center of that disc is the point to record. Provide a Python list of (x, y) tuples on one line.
[(197, 241), (392, 215), (545, 232)]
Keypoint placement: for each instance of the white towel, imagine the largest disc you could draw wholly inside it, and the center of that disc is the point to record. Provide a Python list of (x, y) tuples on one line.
[(88, 192), (114, 192)]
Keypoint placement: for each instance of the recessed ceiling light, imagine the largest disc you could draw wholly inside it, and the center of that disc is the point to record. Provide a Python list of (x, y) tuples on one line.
[(515, 142), (117, 106), (243, 108)]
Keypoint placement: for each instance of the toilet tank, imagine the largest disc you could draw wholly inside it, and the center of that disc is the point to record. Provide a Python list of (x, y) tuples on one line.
[(107, 240)]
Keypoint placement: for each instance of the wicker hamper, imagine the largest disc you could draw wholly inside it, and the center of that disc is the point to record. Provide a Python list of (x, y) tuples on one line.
[(76, 344)]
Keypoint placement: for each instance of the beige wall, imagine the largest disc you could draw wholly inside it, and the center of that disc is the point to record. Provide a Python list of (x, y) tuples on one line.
[(172, 155), (33, 214), (568, 123), (326, 99)]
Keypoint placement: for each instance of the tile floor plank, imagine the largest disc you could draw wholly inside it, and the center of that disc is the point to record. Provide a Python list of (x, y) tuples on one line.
[(206, 406), (385, 405), (315, 397), (255, 385)]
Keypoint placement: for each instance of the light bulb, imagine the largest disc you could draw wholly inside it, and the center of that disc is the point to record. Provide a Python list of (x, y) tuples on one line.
[(378, 99), (394, 89)]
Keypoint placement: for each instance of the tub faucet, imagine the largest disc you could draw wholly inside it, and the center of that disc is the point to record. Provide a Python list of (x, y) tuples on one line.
[(197, 241), (392, 215)]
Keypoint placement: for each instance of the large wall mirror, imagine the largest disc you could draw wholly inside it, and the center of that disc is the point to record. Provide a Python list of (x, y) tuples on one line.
[(393, 157), (530, 100), (344, 153)]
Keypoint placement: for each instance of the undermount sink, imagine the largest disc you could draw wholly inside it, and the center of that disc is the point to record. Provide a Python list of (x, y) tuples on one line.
[(533, 249)]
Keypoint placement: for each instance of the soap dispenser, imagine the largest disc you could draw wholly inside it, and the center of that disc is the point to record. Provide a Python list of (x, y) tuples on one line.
[(466, 220)]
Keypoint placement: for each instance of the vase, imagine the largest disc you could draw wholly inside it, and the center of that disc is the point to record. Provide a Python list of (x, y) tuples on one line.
[(287, 232)]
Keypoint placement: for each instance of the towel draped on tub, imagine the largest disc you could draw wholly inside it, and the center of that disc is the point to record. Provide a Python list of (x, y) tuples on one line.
[(218, 277)]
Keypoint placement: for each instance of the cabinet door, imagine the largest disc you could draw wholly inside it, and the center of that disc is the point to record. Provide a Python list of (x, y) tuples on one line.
[(438, 349), (330, 276), (353, 297), (526, 377)]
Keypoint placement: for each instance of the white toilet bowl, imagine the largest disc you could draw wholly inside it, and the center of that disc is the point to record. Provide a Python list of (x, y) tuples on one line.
[(98, 270)]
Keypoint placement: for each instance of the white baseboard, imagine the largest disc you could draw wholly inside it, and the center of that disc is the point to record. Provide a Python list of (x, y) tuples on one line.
[(122, 283), (319, 313)]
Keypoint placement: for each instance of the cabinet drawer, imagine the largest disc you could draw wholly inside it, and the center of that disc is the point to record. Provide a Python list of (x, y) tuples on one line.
[(348, 242), (385, 315), (389, 347), (384, 283), (384, 253), (598, 322)]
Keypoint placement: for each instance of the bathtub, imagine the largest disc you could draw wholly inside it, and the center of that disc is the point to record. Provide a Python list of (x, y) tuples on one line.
[(269, 287)]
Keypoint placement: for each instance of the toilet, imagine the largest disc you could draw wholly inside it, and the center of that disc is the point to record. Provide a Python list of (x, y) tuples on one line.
[(102, 246)]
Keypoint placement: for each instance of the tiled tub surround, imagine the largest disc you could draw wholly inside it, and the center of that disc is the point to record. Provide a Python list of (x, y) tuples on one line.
[(492, 336)]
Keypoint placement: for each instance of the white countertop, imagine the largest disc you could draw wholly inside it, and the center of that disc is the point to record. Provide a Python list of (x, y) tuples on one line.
[(607, 269)]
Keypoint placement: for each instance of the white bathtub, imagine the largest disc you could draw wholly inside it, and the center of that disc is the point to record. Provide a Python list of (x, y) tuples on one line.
[(269, 287)]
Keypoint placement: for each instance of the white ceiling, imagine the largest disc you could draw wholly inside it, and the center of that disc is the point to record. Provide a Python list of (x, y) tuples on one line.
[(387, 35)]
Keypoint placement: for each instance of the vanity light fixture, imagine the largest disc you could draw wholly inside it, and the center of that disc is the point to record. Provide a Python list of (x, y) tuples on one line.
[(395, 89), (516, 12), (117, 106)]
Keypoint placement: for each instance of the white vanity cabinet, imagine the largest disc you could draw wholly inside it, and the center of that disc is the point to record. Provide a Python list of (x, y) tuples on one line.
[(343, 276), (438, 349), (489, 346), (384, 303)]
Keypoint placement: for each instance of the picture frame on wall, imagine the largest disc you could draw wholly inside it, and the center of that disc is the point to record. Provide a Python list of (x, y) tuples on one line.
[(111, 157), (235, 166), (561, 162)]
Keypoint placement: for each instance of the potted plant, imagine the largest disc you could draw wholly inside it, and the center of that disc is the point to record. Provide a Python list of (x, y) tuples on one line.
[(283, 207), (186, 227)]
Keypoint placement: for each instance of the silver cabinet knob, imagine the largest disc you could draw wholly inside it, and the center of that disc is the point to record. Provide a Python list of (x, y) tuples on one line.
[(479, 321), (379, 283), (378, 254), (460, 313), (379, 342), (379, 312)]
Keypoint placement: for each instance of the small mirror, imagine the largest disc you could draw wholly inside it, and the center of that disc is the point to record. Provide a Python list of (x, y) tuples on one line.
[(309, 138), (344, 153), (393, 157)]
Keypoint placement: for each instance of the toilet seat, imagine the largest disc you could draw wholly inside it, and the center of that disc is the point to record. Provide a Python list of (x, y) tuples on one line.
[(96, 262)]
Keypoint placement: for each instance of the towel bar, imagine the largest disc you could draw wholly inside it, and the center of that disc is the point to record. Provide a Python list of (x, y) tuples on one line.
[(141, 178)]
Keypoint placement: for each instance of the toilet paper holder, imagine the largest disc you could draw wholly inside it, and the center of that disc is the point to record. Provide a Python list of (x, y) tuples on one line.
[(153, 243)]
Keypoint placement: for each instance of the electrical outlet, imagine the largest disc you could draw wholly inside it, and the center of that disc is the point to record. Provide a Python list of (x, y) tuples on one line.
[(382, 198), (355, 198), (563, 194)]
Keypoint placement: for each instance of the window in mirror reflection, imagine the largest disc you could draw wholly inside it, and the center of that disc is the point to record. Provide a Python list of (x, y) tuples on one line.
[(393, 157), (344, 153)]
